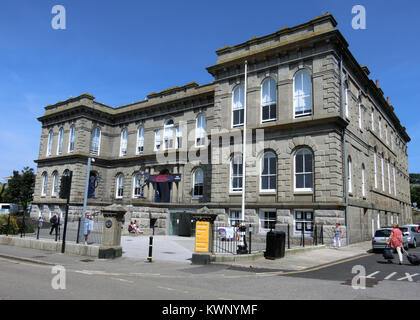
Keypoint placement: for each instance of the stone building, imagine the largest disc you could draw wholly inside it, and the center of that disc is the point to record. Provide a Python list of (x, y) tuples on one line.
[(325, 145)]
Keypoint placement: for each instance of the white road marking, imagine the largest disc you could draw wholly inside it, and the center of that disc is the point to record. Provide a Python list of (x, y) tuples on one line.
[(122, 280), (390, 276), (409, 277), (371, 276)]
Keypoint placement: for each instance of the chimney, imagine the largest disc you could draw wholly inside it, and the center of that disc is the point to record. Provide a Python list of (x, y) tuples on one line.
[(377, 84), (388, 101)]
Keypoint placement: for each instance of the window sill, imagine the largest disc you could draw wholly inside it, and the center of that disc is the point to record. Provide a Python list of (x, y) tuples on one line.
[(235, 193), (303, 192), (268, 193), (268, 121)]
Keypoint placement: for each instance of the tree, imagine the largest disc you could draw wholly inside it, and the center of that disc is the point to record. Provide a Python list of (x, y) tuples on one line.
[(415, 195), (414, 178), (20, 188)]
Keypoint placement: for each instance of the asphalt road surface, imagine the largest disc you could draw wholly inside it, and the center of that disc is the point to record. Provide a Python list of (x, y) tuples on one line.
[(138, 280)]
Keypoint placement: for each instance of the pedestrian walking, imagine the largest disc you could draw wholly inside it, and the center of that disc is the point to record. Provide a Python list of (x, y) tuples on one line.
[(55, 222), (87, 227), (396, 241), (338, 235)]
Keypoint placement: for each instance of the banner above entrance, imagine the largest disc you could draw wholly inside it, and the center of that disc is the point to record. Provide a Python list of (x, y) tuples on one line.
[(165, 178)]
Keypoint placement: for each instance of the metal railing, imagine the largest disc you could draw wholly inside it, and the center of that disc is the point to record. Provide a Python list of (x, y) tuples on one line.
[(40, 229), (227, 239)]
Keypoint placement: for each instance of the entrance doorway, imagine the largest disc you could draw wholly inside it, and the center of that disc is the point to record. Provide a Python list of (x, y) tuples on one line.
[(181, 224)]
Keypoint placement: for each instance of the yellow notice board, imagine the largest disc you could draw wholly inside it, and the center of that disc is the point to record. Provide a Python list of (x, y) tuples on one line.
[(202, 232)]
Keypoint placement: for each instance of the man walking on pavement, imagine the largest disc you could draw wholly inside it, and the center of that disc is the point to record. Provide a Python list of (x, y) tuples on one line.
[(55, 222)]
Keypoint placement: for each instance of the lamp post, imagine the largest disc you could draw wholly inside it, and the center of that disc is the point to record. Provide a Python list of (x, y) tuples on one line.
[(90, 160)]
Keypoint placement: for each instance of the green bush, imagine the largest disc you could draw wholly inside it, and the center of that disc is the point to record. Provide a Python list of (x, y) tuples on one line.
[(13, 225)]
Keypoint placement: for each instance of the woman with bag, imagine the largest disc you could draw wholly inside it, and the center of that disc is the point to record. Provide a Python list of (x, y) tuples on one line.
[(396, 241)]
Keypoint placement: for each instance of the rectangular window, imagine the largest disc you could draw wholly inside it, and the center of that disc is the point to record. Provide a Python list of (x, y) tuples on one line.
[(304, 221), (269, 112), (268, 220), (235, 217), (236, 174), (360, 116), (238, 118)]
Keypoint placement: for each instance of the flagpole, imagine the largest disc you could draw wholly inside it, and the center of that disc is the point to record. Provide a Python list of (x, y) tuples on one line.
[(244, 143)]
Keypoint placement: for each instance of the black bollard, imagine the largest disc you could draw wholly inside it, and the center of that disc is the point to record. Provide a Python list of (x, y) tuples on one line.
[(150, 249)]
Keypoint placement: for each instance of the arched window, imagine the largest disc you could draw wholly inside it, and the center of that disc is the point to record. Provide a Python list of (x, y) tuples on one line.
[(178, 130), (200, 131), (168, 135), (363, 181), (71, 138), (346, 99), (55, 184), (120, 186), (236, 173), (137, 186), (302, 93), (50, 142), (360, 115), (123, 143), (304, 170), (268, 172), (140, 140), (96, 141), (60, 141), (157, 140), (349, 175), (44, 184), (238, 105), (375, 169), (269, 100), (383, 173), (389, 177), (198, 183)]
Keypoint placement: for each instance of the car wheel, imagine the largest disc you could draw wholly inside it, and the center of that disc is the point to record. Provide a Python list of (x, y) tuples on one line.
[(414, 243)]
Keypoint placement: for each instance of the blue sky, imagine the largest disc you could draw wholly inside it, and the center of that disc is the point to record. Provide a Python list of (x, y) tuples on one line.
[(120, 51)]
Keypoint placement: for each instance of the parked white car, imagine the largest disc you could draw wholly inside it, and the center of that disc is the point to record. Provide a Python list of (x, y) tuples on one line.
[(8, 208)]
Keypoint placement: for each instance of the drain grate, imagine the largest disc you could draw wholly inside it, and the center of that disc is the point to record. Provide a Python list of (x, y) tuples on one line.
[(169, 252), (87, 260)]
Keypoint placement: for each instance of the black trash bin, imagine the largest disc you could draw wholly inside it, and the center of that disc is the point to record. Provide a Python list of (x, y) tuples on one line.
[(276, 245)]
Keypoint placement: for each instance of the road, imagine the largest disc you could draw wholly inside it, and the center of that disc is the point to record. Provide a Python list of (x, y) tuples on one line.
[(137, 280)]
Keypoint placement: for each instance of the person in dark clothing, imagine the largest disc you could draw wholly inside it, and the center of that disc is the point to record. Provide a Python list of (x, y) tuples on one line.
[(55, 222)]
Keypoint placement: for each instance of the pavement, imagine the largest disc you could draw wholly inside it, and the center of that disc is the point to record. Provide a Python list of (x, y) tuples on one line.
[(308, 258), (165, 248), (180, 249)]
